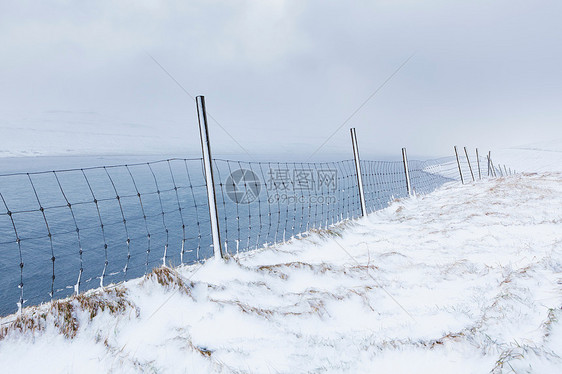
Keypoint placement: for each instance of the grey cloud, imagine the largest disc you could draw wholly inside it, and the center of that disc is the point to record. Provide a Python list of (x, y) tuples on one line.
[(280, 76)]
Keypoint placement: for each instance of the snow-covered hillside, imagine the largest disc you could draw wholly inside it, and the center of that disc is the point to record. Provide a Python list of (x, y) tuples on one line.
[(466, 279), (535, 157)]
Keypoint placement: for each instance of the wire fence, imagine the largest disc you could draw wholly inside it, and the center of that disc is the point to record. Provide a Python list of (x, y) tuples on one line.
[(66, 231)]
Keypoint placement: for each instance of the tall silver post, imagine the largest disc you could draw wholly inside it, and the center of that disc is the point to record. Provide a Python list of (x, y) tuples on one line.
[(478, 161), (406, 171), (469, 166), (493, 168), (459, 164), (358, 171), (209, 179), (489, 161)]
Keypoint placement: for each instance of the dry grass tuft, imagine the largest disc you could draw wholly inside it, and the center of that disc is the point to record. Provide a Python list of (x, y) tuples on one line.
[(170, 278), (277, 269), (202, 350), (551, 319), (63, 314), (441, 341), (281, 270), (114, 300), (328, 232), (25, 323), (399, 344), (506, 356), (248, 309), (305, 307)]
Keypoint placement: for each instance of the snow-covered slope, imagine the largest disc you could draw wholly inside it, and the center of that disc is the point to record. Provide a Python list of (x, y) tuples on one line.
[(465, 280), (535, 157)]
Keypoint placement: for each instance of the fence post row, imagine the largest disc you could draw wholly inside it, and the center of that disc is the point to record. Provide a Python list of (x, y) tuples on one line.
[(406, 171), (209, 179), (478, 162), (358, 171), (459, 164)]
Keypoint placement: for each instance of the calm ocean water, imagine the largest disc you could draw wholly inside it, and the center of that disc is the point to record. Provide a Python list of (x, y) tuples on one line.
[(82, 227)]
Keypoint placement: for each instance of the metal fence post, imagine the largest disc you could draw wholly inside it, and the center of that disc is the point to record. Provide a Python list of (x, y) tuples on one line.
[(469, 165), (459, 164), (209, 179), (406, 172), (492, 167), (489, 161), (358, 171), (478, 162), (505, 169)]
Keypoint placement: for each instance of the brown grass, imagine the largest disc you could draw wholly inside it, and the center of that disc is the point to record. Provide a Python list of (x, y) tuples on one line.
[(277, 269), (331, 232), (310, 306), (169, 278), (63, 314)]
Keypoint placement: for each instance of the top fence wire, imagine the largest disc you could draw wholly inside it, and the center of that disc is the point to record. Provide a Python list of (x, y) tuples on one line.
[(66, 231)]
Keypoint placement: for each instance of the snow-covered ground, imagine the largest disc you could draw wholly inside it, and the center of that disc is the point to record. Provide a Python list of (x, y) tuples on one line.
[(466, 279), (534, 157)]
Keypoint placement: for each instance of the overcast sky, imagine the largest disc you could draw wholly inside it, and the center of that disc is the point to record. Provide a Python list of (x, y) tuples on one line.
[(279, 76)]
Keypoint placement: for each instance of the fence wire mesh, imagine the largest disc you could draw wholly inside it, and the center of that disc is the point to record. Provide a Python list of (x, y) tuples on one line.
[(66, 231), (71, 230)]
